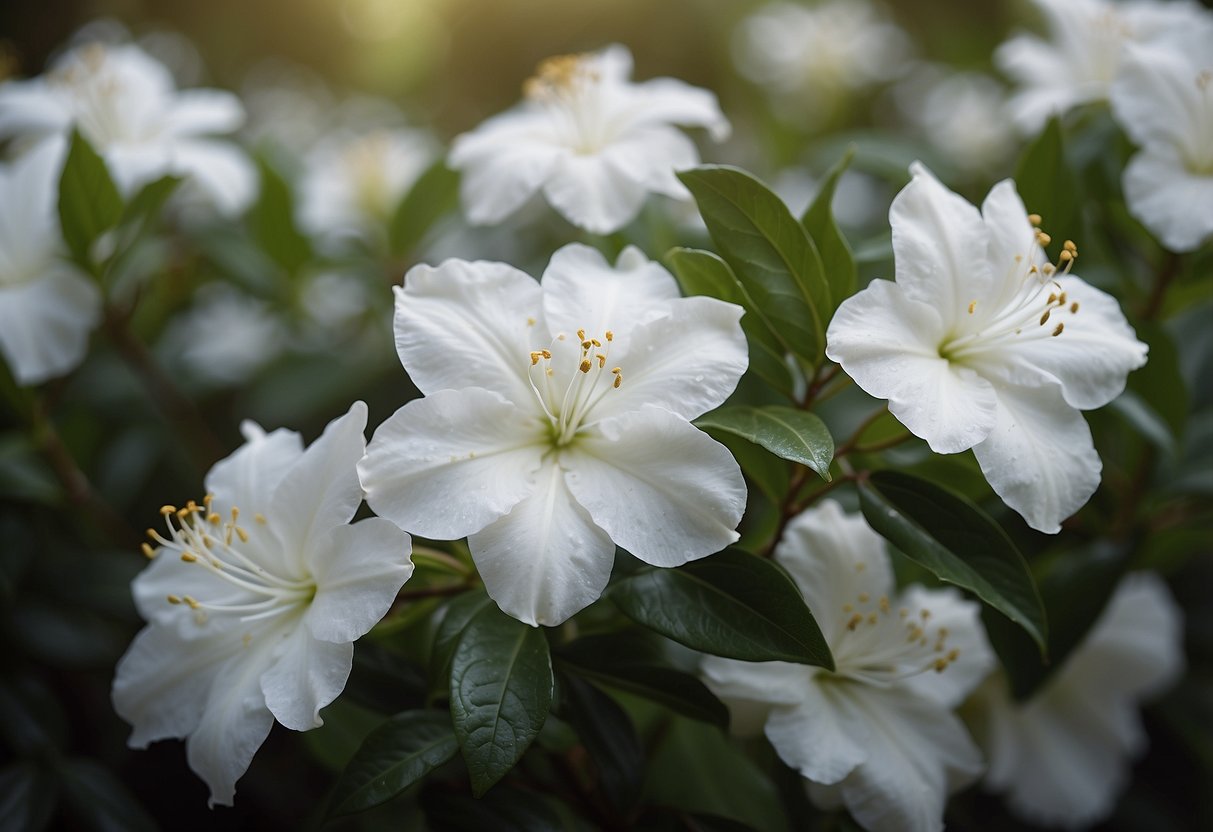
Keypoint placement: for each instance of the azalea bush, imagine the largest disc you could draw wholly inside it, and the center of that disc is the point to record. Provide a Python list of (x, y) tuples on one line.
[(813, 433)]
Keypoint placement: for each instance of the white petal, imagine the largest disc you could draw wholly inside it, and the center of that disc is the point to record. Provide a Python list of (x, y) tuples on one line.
[(503, 162), (1090, 359), (220, 169), (824, 736), (320, 490), (358, 571), (31, 109), (168, 575), (30, 241), (1039, 457), (1047, 82), (591, 194), (670, 101), (449, 464), (962, 618), (918, 753), (939, 243), (306, 674), (660, 487), (464, 324), (45, 324), (1155, 96), (752, 689), (1176, 205), (889, 344), (688, 362), (1012, 245), (545, 560), (582, 291), (202, 112), (650, 156)]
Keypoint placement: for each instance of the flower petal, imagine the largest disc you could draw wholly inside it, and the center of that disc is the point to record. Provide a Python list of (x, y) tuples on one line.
[(358, 571), (545, 560), (752, 689), (31, 109), (464, 324), (45, 324), (670, 101), (1039, 457), (650, 156), (219, 169), (204, 111), (451, 463), (582, 291), (1047, 82), (974, 661), (824, 736), (504, 162), (939, 246), (660, 487), (1156, 97), (591, 194), (1176, 205), (305, 675), (889, 344)]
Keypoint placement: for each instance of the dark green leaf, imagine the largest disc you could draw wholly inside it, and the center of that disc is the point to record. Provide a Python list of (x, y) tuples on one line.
[(433, 195), (385, 681), (703, 273), (23, 473), (769, 251), (1047, 184), (396, 755), (145, 204), (27, 797), (1160, 383), (609, 738), (455, 619), (98, 798), (784, 431), (501, 810), (272, 221), (957, 542), (770, 473), (836, 257), (731, 604), (501, 692), (89, 202)]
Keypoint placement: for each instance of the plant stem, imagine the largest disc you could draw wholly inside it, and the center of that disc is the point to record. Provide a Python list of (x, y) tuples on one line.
[(1167, 272)]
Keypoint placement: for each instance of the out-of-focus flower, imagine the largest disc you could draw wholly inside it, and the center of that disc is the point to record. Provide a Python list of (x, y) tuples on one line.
[(352, 184), (254, 598), (333, 300), (595, 143), (813, 58), (1062, 757), (961, 115), (878, 734), (126, 105), (47, 308), (1080, 59), (555, 423), (983, 344), (225, 337), (1163, 97)]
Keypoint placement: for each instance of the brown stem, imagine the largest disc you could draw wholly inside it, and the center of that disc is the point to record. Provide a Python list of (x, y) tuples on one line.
[(819, 383), (1162, 281), (787, 508), (177, 407)]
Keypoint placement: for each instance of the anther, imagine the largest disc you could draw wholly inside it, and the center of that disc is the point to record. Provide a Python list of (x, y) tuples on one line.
[(242, 534), (191, 601), (1043, 238), (214, 519), (1034, 219), (972, 306), (1057, 331), (855, 621), (189, 557), (601, 360), (259, 518), (167, 510), (148, 551), (174, 599), (581, 334), (610, 336), (1044, 319), (585, 365), (1074, 307), (863, 597)]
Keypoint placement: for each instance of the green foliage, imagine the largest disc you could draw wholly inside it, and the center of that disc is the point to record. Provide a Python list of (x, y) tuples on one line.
[(272, 222), (837, 260), (434, 195), (1048, 186), (957, 542), (794, 435), (89, 202), (732, 604), (609, 737)]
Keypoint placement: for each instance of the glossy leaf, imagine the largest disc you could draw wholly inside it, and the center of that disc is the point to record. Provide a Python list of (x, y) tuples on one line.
[(89, 202), (731, 604), (836, 258), (501, 692), (957, 542), (609, 738), (455, 619), (788, 433), (272, 220), (396, 755), (1048, 185)]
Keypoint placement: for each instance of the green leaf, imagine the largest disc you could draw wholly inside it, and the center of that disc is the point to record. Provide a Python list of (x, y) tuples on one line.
[(1048, 186), (609, 738), (769, 251), (616, 662), (704, 273), (434, 195), (769, 473), (455, 619), (501, 692), (784, 431), (272, 221), (89, 202), (836, 257), (731, 604), (502, 810), (145, 204), (27, 797), (957, 542), (396, 755)]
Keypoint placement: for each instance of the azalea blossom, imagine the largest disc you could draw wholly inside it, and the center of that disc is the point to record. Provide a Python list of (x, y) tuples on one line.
[(224, 338), (983, 344), (254, 598), (555, 423), (1083, 53), (47, 307), (1163, 97), (353, 184), (592, 141), (877, 734), (127, 106), (1062, 757), (960, 114)]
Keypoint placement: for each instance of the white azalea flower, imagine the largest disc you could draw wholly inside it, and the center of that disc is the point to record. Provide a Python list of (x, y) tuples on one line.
[(47, 308), (1086, 44), (555, 423), (1163, 98), (352, 184), (878, 734), (254, 598), (982, 344), (224, 338), (127, 107), (960, 114), (592, 141), (813, 58), (1063, 756)]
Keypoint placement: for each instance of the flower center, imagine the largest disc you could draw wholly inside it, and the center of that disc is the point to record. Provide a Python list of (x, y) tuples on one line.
[(201, 536), (1030, 310), (366, 160), (879, 646), (569, 86), (568, 381), (104, 102)]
